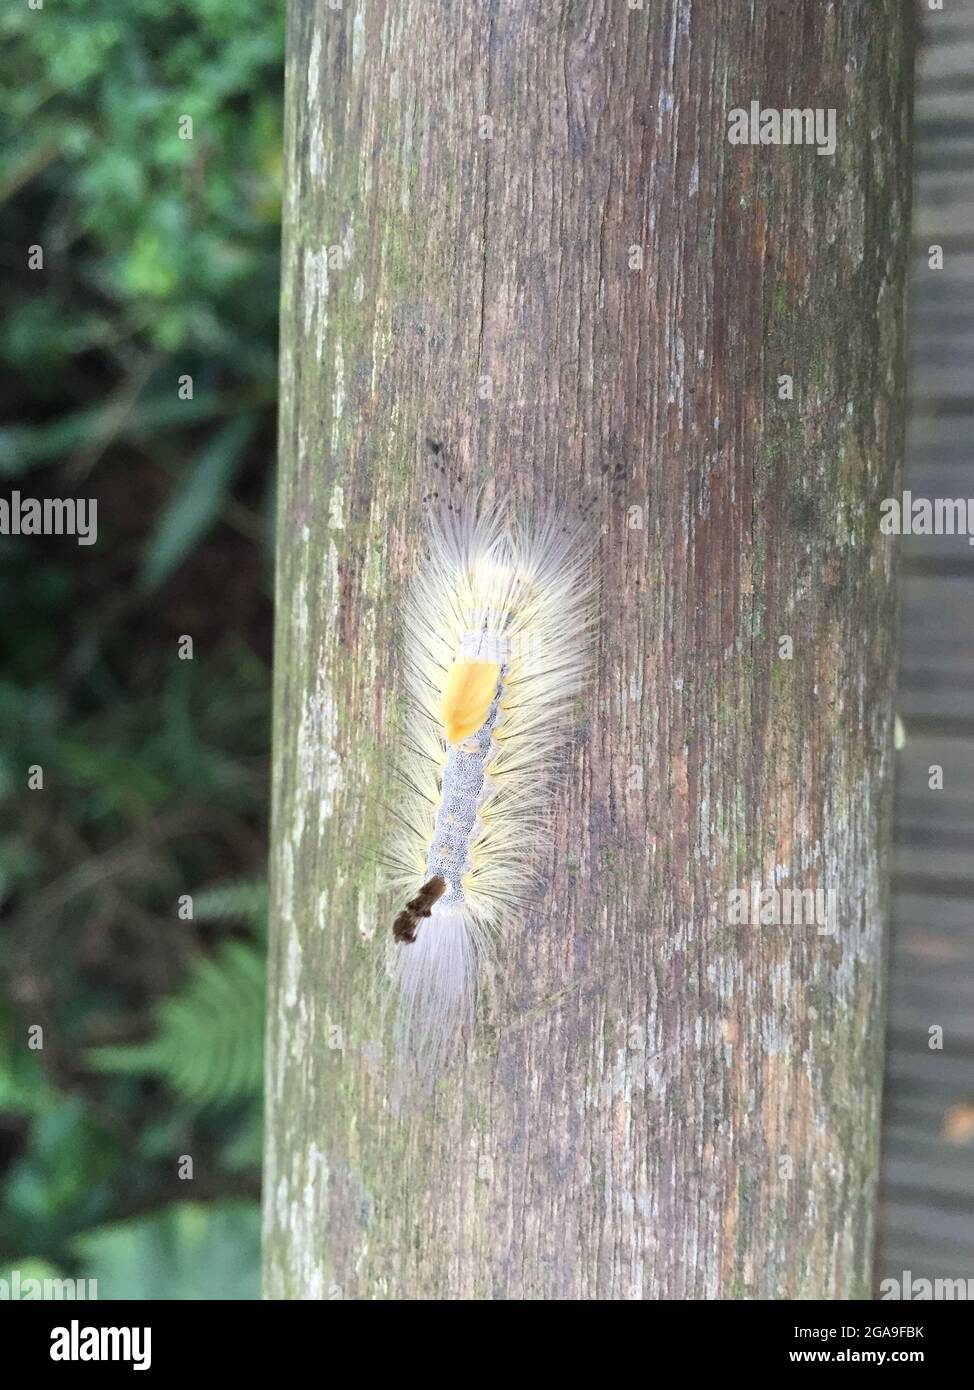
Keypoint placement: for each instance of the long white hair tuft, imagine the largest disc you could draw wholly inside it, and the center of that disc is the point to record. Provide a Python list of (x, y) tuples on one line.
[(498, 635)]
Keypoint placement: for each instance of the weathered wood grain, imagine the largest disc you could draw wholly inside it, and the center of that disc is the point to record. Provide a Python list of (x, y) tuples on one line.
[(650, 1075)]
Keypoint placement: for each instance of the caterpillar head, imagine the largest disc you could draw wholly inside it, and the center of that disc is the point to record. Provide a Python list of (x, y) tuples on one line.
[(404, 927)]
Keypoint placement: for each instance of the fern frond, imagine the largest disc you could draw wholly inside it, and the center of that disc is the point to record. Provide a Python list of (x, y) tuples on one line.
[(208, 1044)]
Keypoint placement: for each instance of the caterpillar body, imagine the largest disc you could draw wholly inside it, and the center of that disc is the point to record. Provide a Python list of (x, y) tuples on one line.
[(497, 642)]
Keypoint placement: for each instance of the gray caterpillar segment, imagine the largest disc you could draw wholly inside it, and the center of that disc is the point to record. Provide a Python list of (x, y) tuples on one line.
[(465, 787)]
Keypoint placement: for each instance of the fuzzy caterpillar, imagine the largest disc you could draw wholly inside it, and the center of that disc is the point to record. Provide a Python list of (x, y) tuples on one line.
[(497, 642)]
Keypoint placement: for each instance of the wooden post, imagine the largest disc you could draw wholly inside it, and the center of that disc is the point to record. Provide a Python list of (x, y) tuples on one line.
[(521, 249)]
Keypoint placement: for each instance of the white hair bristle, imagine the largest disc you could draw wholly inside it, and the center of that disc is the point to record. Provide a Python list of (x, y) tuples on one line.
[(520, 598)]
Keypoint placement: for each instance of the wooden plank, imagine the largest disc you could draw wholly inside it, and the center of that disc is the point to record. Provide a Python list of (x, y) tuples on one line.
[(937, 103), (946, 1073), (944, 380), (938, 343), (931, 1229), (938, 614), (941, 475), (898, 1254), (905, 1176), (930, 428), (904, 1141), (924, 1112), (949, 918), (947, 58), (925, 954), (614, 1131), (937, 557), (911, 1019), (945, 206)]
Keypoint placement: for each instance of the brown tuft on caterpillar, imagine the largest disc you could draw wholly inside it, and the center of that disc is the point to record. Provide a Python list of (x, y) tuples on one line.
[(404, 927)]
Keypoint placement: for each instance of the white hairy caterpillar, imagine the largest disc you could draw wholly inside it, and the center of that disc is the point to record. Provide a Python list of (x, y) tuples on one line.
[(497, 639)]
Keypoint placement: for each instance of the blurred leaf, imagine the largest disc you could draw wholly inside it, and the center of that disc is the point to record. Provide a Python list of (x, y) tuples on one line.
[(24, 1087), (186, 1251), (245, 1146), (23, 446), (63, 1171), (208, 1045), (197, 501)]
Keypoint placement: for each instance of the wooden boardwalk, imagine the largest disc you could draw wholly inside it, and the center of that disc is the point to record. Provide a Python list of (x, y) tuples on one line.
[(927, 1211)]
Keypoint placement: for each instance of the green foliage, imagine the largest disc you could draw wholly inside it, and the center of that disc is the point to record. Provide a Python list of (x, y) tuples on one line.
[(185, 1251), (161, 253), (71, 1171), (24, 1089), (160, 261), (61, 1181), (154, 239), (192, 510), (208, 1044)]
